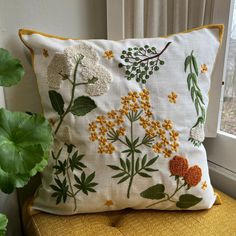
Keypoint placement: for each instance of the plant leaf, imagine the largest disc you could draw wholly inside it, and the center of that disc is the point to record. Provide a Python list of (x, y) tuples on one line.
[(144, 175), (195, 64), (11, 70), (187, 201), (118, 175), (152, 161), (123, 179), (155, 192), (56, 101), (128, 164), (186, 63), (82, 105), (137, 165), (23, 153), (144, 160), (3, 224), (114, 167), (122, 163)]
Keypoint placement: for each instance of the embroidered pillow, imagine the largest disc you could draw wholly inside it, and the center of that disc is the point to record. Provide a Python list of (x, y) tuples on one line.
[(128, 119)]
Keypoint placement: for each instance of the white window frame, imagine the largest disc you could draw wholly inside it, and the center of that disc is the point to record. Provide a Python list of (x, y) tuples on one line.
[(220, 146)]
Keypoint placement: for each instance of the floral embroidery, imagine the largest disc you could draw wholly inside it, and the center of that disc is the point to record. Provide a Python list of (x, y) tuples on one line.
[(63, 188), (112, 128), (45, 53), (108, 54), (197, 131), (172, 97), (185, 176), (204, 68), (204, 185), (109, 203), (141, 62)]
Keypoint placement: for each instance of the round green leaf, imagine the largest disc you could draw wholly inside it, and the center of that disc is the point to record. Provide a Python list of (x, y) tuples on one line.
[(3, 224), (11, 70), (187, 201), (24, 147), (155, 192)]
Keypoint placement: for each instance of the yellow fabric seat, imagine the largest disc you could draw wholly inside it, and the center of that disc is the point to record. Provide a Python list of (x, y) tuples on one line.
[(220, 220)]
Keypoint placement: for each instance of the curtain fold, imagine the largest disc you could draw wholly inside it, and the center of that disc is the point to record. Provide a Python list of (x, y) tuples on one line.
[(152, 18)]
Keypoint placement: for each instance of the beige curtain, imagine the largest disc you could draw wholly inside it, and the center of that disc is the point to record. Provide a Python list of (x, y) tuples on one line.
[(151, 18)]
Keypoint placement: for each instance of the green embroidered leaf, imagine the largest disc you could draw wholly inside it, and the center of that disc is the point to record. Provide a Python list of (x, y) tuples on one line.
[(90, 178), (75, 162), (144, 160), (60, 167), (128, 164), (122, 163), (155, 192), (152, 161), (123, 179), (195, 65), (119, 175), (23, 153), (144, 175), (187, 201), (187, 62), (82, 105), (3, 224), (136, 141), (196, 106), (137, 165), (11, 70), (114, 167), (61, 189), (56, 101), (151, 169), (189, 80)]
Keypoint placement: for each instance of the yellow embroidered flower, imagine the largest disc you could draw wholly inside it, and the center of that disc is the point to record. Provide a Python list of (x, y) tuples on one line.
[(133, 96), (101, 150), (204, 68), (148, 113), (155, 124), (125, 100), (172, 97), (45, 52), (101, 120), (108, 54), (145, 105), (102, 130), (109, 203), (174, 147), (174, 135), (134, 107), (102, 141), (165, 141), (92, 126), (144, 94), (167, 124), (144, 122), (124, 111), (109, 148), (112, 114), (110, 124), (150, 133), (161, 133), (93, 136), (204, 185), (119, 120), (157, 147), (167, 152), (121, 131)]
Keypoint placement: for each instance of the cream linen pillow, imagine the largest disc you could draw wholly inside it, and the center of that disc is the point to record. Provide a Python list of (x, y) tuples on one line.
[(128, 118)]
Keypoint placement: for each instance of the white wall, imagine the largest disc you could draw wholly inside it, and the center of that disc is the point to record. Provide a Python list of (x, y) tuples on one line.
[(68, 18)]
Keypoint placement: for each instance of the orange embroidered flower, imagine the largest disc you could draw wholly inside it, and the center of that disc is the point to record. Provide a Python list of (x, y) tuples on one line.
[(134, 107), (178, 166), (167, 124), (45, 52), (124, 111), (109, 148), (165, 141), (167, 152), (174, 146), (92, 126), (148, 113), (174, 135), (133, 96), (125, 100), (161, 133), (112, 114), (119, 120), (204, 185), (93, 136), (110, 124), (193, 175), (109, 203), (204, 68), (102, 140), (157, 147), (144, 94), (102, 130), (145, 105), (108, 54), (150, 133), (101, 120), (155, 124), (144, 122), (121, 131), (101, 150), (172, 97)]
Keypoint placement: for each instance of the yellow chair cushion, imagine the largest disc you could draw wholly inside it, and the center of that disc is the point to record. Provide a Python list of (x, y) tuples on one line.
[(220, 220)]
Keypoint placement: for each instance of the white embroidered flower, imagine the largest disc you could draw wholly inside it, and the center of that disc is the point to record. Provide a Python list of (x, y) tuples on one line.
[(56, 69), (197, 133), (73, 53), (102, 79)]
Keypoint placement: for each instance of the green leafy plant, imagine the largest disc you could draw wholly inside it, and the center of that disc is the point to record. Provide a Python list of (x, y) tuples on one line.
[(191, 65), (63, 187), (141, 62), (25, 139), (79, 106)]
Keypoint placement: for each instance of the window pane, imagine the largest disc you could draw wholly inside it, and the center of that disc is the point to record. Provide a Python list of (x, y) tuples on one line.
[(228, 120)]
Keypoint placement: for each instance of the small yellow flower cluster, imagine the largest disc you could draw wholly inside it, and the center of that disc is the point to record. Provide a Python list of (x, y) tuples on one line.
[(204, 68), (164, 135), (172, 97), (108, 54), (164, 138)]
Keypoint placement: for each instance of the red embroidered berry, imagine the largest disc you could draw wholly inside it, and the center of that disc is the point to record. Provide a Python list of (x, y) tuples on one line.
[(178, 166), (193, 175)]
